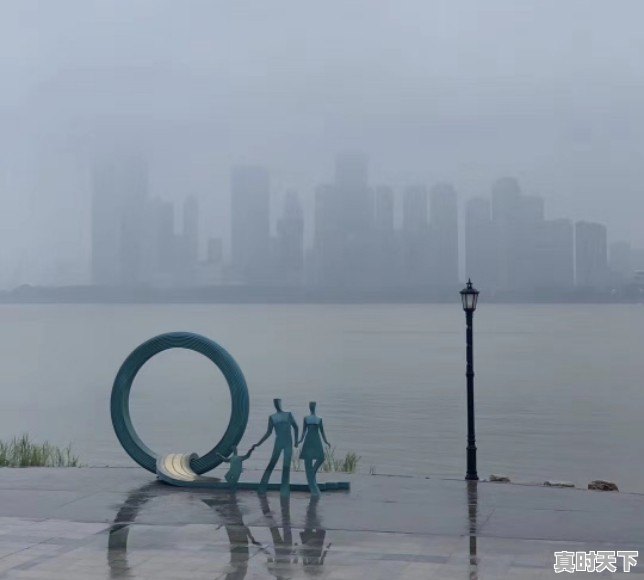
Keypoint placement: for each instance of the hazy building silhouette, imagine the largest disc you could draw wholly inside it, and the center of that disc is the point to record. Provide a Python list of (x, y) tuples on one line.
[(119, 196), (554, 256), (414, 211), (289, 262), (354, 193), (443, 213), (250, 227), (191, 228), (159, 243), (518, 223), (620, 261), (344, 226), (591, 255), (386, 255), (480, 244), (384, 209), (415, 238)]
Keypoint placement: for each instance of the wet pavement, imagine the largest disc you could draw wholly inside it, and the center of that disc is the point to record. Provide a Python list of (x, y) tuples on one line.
[(120, 523)]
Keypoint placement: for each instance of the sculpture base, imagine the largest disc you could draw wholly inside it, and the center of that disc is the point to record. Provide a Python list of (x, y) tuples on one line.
[(214, 483), (174, 469)]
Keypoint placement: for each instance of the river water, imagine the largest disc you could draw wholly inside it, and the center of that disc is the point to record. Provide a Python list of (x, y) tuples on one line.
[(559, 388)]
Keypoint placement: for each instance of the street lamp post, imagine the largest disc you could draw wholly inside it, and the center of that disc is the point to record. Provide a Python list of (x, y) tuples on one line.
[(469, 296)]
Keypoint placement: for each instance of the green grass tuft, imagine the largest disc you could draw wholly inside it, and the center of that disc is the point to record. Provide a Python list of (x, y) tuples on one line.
[(347, 464), (22, 452)]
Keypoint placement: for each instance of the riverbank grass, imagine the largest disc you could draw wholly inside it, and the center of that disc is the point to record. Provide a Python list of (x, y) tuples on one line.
[(22, 452), (346, 464)]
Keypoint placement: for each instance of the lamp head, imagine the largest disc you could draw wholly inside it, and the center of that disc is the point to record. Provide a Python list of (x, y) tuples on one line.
[(469, 297)]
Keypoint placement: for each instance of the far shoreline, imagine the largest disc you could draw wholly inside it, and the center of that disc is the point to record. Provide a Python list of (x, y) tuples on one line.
[(238, 294)]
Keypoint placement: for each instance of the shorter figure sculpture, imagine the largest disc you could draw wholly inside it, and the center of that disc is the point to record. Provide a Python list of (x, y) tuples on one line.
[(312, 451), (281, 422), (235, 470)]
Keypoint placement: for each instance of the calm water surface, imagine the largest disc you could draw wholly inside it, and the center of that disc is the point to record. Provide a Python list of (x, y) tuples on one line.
[(559, 389)]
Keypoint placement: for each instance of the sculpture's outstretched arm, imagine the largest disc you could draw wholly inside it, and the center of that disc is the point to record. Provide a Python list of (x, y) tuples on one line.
[(295, 428), (266, 435), (304, 429), (323, 434), (250, 451)]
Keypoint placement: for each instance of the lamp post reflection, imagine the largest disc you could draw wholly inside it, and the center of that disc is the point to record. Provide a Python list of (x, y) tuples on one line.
[(472, 518)]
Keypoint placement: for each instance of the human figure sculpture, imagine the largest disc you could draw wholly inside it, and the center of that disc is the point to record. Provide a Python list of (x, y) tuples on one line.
[(282, 422), (235, 470), (312, 451)]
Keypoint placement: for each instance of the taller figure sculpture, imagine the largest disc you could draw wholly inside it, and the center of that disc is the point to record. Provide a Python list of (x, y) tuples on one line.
[(281, 422)]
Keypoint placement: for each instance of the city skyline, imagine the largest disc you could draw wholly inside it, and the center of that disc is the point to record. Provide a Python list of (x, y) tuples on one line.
[(364, 236)]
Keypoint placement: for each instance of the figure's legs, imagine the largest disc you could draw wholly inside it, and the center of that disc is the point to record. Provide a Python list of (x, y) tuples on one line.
[(285, 489), (312, 468), (269, 470)]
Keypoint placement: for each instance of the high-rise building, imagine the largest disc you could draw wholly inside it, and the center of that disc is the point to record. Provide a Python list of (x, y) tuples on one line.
[(250, 228), (554, 256), (344, 225), (480, 255), (620, 261), (591, 255), (386, 247), (415, 239), (443, 213), (384, 214), (518, 221), (355, 195), (119, 196), (159, 243), (191, 228), (289, 263), (414, 211)]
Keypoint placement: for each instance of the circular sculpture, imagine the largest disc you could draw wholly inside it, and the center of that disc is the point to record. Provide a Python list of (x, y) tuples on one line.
[(120, 401)]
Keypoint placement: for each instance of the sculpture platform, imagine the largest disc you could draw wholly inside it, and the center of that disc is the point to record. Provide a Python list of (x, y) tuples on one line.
[(174, 469)]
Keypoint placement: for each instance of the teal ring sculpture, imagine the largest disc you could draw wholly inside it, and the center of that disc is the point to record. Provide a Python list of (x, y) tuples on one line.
[(120, 399)]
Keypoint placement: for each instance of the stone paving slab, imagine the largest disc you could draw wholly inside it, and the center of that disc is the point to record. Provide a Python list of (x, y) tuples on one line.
[(120, 523)]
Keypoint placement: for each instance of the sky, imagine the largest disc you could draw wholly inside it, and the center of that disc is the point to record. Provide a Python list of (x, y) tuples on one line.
[(548, 91)]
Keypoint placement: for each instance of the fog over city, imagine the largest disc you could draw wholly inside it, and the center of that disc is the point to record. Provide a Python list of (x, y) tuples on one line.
[(418, 93)]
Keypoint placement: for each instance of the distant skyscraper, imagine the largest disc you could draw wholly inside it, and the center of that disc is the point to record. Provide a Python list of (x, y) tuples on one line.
[(518, 221), (554, 256), (250, 231), (355, 195), (414, 217), (344, 224), (384, 218), (591, 255), (480, 255), (621, 260), (290, 241), (191, 227), (416, 251), (119, 196), (443, 213), (160, 243)]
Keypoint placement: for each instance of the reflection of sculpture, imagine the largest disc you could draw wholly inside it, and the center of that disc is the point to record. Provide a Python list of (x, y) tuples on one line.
[(238, 532), (312, 452), (285, 556), (282, 561), (312, 549), (235, 470), (281, 422)]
